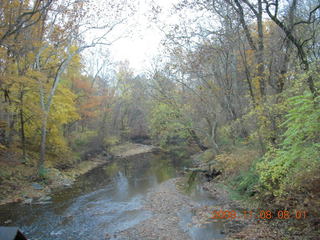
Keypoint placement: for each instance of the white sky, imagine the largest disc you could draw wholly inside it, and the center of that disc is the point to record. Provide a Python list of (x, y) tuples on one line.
[(144, 42), (138, 50)]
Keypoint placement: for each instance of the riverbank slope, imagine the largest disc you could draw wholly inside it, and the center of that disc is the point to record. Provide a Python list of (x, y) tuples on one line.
[(18, 184)]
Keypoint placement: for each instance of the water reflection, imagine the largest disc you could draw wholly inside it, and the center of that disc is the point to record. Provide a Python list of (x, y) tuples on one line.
[(106, 200), (122, 186)]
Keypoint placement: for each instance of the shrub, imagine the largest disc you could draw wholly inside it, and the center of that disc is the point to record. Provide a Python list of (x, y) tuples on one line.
[(299, 152), (240, 160), (246, 183)]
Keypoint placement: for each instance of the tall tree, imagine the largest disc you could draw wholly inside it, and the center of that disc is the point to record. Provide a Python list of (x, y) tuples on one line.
[(290, 24)]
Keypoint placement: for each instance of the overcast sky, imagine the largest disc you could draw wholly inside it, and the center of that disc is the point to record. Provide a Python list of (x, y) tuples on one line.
[(144, 42), (143, 38)]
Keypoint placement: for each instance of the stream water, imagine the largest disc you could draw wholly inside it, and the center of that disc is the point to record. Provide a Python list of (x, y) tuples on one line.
[(105, 201)]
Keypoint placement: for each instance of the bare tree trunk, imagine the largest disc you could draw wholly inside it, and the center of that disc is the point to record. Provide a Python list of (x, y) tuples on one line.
[(22, 133), (298, 43), (246, 70), (213, 133), (260, 52), (102, 133), (46, 104), (197, 140), (43, 143), (11, 121), (214, 136)]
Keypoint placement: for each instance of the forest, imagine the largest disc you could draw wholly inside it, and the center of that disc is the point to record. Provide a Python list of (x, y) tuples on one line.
[(236, 80)]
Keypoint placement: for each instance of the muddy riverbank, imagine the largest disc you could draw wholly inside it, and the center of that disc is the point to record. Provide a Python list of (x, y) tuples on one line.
[(167, 203), (139, 196), (164, 202), (25, 190)]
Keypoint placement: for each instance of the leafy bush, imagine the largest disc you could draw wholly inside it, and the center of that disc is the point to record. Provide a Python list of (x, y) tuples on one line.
[(240, 160), (111, 140), (83, 138), (247, 182), (167, 125), (299, 152)]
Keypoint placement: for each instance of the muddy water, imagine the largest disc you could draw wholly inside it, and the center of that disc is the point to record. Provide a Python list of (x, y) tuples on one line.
[(103, 202)]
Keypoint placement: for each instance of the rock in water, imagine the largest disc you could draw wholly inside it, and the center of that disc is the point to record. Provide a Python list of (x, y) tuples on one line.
[(27, 201), (44, 200), (37, 186)]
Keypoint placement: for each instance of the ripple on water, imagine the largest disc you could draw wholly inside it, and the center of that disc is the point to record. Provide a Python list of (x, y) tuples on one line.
[(99, 203)]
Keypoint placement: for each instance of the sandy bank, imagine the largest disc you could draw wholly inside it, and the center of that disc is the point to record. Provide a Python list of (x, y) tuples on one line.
[(24, 190)]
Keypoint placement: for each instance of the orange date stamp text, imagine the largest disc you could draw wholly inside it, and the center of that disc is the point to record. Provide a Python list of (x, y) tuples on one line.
[(260, 214)]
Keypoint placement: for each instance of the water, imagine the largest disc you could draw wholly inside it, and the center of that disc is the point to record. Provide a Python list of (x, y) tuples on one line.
[(103, 202)]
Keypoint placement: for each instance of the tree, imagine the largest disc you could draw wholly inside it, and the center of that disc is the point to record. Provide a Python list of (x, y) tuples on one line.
[(66, 26), (17, 16), (299, 41)]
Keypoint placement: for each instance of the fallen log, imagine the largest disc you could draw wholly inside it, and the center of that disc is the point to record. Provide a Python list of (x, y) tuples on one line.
[(209, 174)]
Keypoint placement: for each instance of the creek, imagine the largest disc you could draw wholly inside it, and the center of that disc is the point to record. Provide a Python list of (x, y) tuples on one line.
[(105, 201)]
